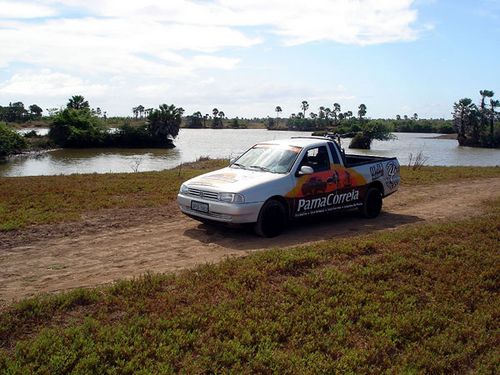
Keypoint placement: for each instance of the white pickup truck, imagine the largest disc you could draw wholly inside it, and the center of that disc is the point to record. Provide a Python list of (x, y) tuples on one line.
[(277, 181)]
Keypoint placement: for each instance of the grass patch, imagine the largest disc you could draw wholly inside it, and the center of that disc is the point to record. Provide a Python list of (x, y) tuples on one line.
[(420, 299), (435, 175), (54, 199)]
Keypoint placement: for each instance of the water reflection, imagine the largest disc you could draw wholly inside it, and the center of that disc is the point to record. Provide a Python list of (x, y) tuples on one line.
[(194, 143)]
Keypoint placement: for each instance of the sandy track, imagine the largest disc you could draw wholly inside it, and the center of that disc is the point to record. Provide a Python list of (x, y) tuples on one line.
[(167, 241)]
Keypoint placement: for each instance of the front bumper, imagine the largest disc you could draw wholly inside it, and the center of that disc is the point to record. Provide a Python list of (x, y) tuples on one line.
[(221, 211)]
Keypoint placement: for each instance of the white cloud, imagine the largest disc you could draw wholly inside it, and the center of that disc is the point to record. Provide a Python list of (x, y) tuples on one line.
[(18, 9), (133, 49), (47, 83)]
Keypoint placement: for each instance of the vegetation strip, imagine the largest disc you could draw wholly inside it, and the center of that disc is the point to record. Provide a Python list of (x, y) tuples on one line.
[(55, 199), (417, 299)]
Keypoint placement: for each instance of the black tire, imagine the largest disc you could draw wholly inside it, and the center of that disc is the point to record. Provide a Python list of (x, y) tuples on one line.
[(373, 203), (272, 219)]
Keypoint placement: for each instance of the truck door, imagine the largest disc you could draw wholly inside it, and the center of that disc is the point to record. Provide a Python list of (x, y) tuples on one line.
[(330, 187), (311, 186)]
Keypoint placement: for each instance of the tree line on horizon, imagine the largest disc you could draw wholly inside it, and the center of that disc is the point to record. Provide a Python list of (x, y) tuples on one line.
[(79, 125)]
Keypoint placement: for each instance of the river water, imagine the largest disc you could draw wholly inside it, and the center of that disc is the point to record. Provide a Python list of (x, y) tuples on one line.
[(226, 143)]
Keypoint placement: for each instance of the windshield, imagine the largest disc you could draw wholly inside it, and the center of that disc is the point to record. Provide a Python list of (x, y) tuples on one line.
[(268, 158)]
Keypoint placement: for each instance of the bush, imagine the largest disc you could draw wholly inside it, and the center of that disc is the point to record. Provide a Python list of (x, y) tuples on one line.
[(10, 141), (138, 136), (370, 131), (78, 128)]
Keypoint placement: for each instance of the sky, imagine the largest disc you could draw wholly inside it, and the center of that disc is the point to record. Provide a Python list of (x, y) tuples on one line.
[(245, 57)]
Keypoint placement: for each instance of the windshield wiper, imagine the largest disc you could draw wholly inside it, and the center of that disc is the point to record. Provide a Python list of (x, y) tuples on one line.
[(264, 169), (238, 165)]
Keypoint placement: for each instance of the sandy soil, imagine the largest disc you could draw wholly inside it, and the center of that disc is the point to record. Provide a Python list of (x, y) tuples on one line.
[(118, 244)]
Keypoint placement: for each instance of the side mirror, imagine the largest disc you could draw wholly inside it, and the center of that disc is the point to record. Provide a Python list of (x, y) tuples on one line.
[(305, 170)]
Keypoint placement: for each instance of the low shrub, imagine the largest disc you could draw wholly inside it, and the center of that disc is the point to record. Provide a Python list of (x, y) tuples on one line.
[(10, 141)]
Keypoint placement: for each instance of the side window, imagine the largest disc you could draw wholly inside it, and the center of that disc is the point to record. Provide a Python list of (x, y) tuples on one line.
[(335, 156), (316, 158)]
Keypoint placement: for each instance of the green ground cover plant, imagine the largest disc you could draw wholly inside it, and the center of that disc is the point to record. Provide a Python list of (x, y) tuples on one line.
[(420, 299), (54, 199)]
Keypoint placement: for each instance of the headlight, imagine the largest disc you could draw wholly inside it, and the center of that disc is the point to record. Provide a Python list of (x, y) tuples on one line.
[(231, 198), (183, 189)]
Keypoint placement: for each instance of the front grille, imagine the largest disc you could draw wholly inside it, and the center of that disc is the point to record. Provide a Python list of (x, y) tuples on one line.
[(203, 194)]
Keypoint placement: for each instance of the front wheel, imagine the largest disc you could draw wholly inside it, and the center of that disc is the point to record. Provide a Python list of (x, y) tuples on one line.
[(373, 203), (272, 219)]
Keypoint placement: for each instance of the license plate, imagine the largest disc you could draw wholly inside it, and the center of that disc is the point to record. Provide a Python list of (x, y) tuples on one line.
[(199, 206)]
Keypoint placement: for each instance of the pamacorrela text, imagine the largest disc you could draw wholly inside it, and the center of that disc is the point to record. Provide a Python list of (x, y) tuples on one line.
[(330, 200)]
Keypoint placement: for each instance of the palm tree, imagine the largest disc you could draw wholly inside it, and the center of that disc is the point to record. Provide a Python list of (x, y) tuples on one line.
[(485, 94), (328, 113), (462, 112), (164, 122), (321, 113), (278, 111), (336, 112), (140, 110), (482, 108), (216, 122), (77, 102), (304, 106), (493, 105), (361, 111)]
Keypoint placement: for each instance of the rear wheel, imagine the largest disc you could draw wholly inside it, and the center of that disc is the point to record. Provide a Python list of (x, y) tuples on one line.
[(272, 219), (373, 203)]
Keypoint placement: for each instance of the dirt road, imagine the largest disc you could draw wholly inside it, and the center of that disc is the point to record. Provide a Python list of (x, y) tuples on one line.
[(121, 244)]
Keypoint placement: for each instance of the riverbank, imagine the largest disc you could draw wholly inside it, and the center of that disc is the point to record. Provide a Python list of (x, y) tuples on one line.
[(417, 295)]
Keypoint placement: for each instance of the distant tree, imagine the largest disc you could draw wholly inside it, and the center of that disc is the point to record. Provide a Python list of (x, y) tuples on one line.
[(398, 117), (98, 112), (205, 119), (361, 111), (77, 102), (484, 112), (35, 111), (216, 120), (164, 122), (335, 113), (415, 117), (140, 110), (304, 106), (278, 111), (321, 113), (463, 113), (15, 112), (493, 115), (234, 123), (195, 120), (328, 113)]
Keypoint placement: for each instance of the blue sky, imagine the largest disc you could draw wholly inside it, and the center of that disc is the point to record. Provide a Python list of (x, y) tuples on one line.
[(246, 57)]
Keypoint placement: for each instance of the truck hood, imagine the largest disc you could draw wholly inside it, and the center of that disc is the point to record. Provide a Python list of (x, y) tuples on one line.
[(232, 180)]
